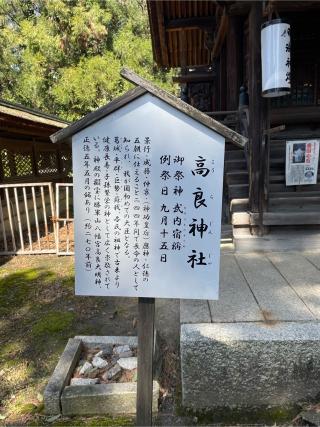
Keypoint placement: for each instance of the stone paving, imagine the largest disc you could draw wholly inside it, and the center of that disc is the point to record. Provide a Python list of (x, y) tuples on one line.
[(262, 287), (259, 344)]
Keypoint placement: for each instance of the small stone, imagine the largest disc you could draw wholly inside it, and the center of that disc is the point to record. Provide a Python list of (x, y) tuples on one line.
[(105, 352), (121, 349), (128, 363), (84, 381), (107, 348), (93, 373), (113, 361), (111, 373), (98, 362), (125, 354), (92, 351), (85, 368)]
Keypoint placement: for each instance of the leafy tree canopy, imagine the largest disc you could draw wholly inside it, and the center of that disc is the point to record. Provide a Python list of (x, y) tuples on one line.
[(64, 56)]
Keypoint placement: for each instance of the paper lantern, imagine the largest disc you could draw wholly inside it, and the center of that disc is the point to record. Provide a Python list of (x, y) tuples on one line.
[(275, 57)]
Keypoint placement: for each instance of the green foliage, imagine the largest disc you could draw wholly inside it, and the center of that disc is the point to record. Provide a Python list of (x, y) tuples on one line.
[(27, 408), (53, 323), (64, 56)]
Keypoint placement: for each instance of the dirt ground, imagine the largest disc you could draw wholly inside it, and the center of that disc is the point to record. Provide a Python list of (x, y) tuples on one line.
[(39, 312)]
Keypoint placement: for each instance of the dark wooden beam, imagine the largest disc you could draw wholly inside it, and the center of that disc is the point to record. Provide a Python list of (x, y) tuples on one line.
[(234, 56), (1, 167), (223, 78), (255, 108), (194, 78), (20, 145), (239, 8), (221, 35), (295, 114), (289, 218), (194, 23), (274, 130), (216, 86), (154, 30), (183, 50), (297, 6), (24, 139), (11, 130), (162, 33)]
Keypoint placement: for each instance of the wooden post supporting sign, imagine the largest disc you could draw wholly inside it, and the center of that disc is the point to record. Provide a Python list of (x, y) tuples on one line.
[(145, 361)]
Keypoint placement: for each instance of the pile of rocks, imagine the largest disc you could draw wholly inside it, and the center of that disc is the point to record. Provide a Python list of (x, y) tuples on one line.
[(112, 363)]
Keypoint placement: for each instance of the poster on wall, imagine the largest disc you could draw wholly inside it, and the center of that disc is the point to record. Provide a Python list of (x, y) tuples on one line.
[(302, 158)]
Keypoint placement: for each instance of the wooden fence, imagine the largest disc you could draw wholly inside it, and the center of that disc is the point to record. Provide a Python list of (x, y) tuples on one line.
[(30, 219), (64, 218)]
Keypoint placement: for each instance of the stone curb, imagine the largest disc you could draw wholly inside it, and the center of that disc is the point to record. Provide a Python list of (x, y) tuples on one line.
[(113, 399), (95, 340), (98, 399), (61, 376)]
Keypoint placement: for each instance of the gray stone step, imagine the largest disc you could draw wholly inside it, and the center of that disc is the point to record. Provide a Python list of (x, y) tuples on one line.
[(280, 239), (249, 364), (259, 344)]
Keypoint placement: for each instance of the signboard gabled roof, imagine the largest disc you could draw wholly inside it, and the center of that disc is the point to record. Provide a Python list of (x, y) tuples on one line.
[(144, 86)]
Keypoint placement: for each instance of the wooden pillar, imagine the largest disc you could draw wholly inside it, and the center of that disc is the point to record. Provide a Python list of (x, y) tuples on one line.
[(34, 158), (223, 79), (234, 55), (255, 109), (217, 88), (1, 165), (59, 162), (146, 307)]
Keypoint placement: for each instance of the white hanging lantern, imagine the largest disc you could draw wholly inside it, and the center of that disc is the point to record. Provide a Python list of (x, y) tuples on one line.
[(275, 57)]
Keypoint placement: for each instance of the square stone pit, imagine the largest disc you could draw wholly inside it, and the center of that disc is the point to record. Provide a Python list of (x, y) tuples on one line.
[(96, 399)]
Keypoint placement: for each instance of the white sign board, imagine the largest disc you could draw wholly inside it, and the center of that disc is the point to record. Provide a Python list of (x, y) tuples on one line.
[(147, 204), (302, 158)]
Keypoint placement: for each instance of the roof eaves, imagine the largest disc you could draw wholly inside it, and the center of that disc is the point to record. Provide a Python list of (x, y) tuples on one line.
[(177, 103), (18, 110)]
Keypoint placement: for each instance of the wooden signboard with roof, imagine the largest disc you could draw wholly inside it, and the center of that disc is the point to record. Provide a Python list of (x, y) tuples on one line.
[(148, 176)]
